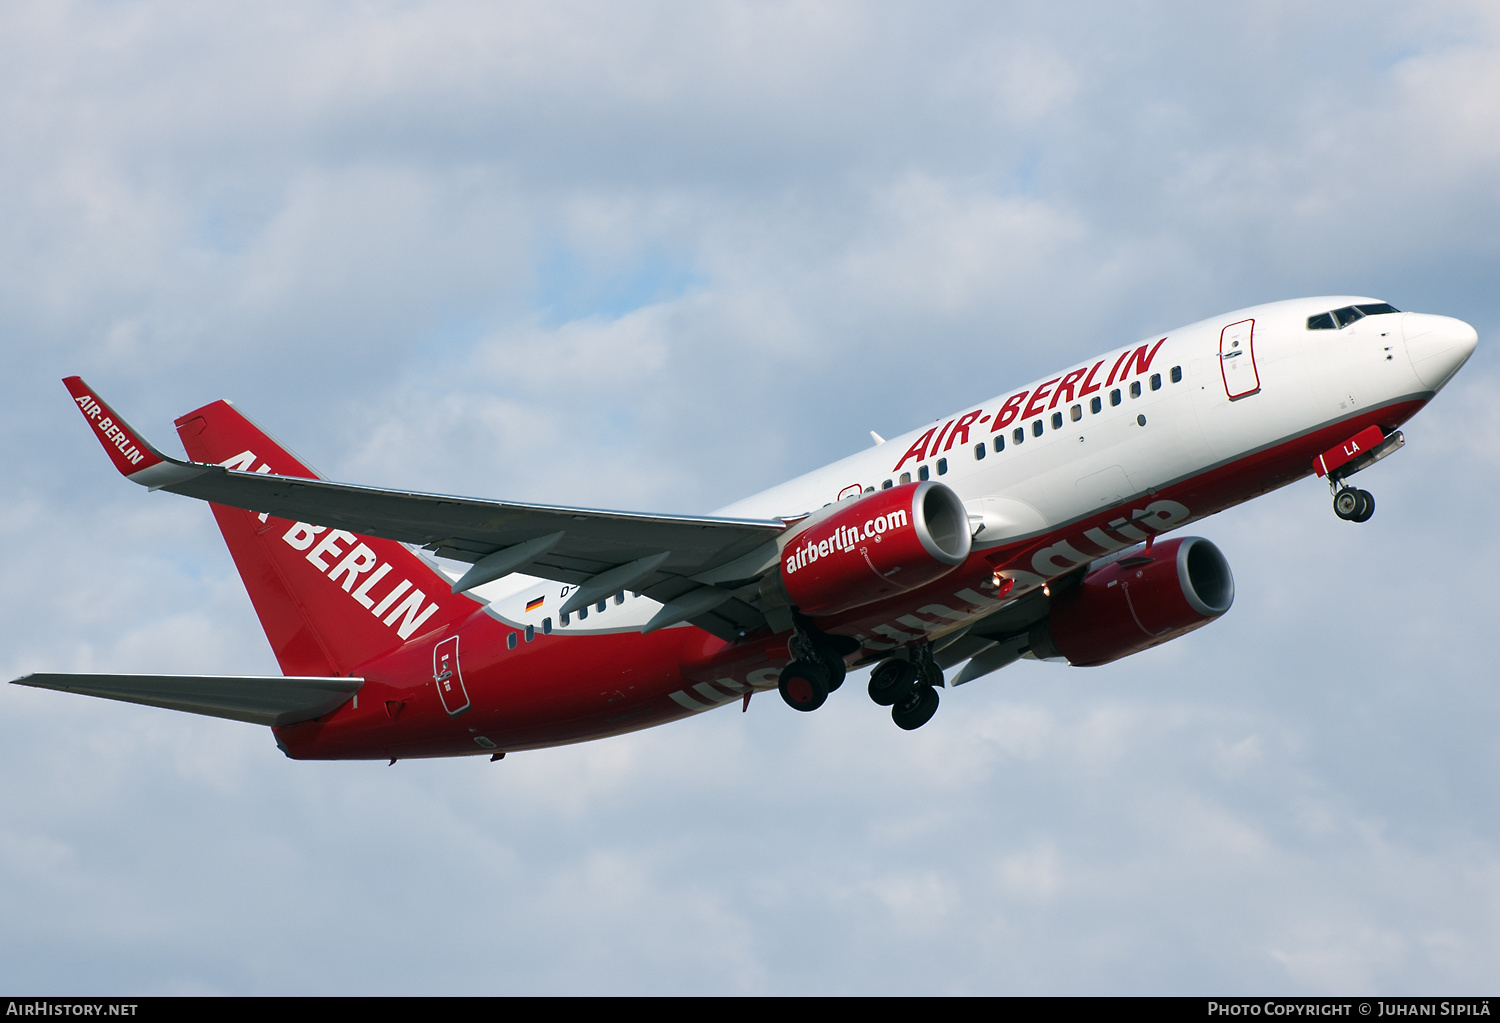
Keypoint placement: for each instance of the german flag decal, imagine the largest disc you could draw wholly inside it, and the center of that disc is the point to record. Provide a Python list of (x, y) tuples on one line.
[(532, 605)]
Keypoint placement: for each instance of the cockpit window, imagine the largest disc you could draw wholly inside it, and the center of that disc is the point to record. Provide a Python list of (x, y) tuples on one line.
[(1347, 315)]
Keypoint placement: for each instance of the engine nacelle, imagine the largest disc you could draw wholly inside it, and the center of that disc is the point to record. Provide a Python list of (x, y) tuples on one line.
[(1137, 602), (882, 544)]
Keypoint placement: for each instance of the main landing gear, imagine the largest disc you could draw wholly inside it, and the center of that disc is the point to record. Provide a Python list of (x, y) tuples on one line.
[(1353, 505), (817, 669), (909, 688)]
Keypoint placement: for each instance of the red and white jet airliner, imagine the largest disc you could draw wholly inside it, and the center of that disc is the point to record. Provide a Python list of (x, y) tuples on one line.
[(1027, 525)]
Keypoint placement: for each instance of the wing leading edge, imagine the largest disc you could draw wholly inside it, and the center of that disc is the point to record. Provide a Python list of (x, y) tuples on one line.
[(701, 566)]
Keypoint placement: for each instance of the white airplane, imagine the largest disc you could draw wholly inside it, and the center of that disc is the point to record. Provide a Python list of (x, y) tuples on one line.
[(1031, 524)]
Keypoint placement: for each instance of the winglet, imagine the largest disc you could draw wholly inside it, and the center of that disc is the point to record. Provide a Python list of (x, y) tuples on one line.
[(132, 454)]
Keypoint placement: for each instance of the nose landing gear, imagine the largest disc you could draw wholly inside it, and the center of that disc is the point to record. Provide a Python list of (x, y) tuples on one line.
[(1359, 452), (1353, 505)]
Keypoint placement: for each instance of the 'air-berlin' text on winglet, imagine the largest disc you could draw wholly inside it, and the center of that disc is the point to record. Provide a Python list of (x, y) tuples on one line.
[(136, 459)]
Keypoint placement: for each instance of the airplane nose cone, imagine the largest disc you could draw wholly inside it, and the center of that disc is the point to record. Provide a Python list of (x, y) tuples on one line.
[(1438, 345)]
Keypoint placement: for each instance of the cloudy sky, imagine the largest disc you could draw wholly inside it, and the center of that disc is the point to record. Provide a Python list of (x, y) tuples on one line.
[(659, 256)]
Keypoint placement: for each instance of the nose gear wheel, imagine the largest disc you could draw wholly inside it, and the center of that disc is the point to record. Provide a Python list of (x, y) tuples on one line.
[(1353, 505)]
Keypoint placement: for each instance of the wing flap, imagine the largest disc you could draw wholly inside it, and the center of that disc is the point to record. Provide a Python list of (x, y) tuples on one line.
[(467, 529), (592, 542), (259, 700)]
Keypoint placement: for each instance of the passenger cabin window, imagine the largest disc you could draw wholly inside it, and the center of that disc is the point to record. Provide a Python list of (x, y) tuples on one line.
[(922, 472), (869, 490), (583, 612), (1135, 388), (546, 626), (1156, 381), (980, 451), (886, 485), (1018, 434), (999, 443), (1036, 428), (1176, 374), (530, 633), (602, 605), (1095, 405), (510, 641), (1057, 420), (1075, 413), (905, 478), (562, 619), (1114, 396), (943, 466)]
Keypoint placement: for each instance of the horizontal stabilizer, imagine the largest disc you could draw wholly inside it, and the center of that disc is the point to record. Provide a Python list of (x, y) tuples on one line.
[(259, 700)]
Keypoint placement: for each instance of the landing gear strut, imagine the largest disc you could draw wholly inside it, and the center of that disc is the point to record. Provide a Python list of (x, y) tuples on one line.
[(1353, 505), (817, 667), (909, 688)]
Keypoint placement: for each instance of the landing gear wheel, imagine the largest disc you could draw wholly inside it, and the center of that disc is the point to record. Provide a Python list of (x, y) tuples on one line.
[(890, 682), (917, 709), (836, 668), (804, 685), (1354, 505), (1346, 503), (1366, 507)]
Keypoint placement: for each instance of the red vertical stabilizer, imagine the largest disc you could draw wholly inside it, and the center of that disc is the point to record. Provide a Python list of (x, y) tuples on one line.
[(329, 600)]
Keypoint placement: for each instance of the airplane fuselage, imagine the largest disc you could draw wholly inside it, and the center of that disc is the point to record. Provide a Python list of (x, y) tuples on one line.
[(1088, 461)]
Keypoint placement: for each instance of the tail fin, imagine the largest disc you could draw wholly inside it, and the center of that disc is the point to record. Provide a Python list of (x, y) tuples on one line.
[(329, 601)]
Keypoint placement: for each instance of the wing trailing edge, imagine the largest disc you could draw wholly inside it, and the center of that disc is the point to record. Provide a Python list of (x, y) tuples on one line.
[(580, 546)]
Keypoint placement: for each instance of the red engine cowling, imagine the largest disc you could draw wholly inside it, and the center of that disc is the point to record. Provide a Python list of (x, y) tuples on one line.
[(880, 545), (1137, 602)]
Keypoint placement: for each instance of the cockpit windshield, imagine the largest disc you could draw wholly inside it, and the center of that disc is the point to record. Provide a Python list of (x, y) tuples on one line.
[(1347, 315)]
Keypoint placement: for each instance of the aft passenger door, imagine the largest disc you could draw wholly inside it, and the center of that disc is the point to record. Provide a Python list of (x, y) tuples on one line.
[(448, 678), (1237, 359)]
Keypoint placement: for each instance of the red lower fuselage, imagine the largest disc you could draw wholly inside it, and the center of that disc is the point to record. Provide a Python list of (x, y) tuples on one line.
[(563, 688)]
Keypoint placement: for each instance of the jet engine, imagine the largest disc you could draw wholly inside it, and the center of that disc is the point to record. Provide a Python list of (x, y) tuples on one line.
[(1136, 602), (874, 547)]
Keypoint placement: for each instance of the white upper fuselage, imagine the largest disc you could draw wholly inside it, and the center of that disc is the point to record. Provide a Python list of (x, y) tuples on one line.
[(1125, 423), (1307, 378)]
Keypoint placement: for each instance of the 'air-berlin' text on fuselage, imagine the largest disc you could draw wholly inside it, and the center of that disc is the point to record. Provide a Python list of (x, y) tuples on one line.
[(1072, 386)]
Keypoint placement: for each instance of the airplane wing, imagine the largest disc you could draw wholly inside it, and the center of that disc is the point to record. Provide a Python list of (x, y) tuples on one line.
[(259, 700), (700, 567)]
